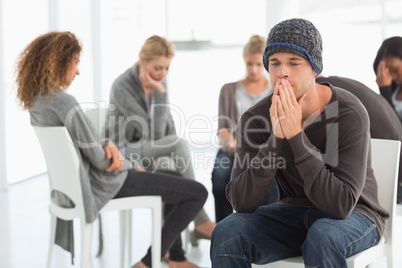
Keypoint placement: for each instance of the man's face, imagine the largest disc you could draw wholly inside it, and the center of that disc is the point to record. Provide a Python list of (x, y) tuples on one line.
[(297, 70)]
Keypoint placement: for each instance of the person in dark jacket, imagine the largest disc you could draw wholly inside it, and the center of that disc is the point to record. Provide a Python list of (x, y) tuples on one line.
[(383, 119), (388, 68), (314, 140)]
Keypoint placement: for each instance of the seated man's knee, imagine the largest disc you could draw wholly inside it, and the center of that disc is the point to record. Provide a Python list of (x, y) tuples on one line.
[(321, 236), (230, 228)]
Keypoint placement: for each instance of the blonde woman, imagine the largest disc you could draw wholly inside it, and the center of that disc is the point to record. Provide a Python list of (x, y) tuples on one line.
[(46, 68), (234, 99), (145, 130)]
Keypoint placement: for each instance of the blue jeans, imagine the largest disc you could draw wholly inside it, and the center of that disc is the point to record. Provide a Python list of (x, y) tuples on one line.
[(220, 178), (275, 232)]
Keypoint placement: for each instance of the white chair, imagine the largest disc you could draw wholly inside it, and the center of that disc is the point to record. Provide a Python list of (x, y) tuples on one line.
[(98, 119), (63, 171), (385, 163)]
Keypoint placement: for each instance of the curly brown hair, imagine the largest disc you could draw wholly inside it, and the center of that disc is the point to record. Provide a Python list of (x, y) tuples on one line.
[(43, 65)]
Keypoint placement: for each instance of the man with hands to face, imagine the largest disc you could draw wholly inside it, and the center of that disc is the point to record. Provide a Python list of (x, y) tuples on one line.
[(286, 111), (314, 140)]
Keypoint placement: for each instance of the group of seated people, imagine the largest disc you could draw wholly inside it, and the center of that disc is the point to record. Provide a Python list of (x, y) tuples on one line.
[(273, 133)]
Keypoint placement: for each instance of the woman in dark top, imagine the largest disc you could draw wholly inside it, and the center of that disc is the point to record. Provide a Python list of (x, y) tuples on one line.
[(388, 68)]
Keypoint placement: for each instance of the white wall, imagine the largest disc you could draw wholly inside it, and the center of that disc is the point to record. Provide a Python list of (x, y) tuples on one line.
[(3, 170), (112, 33)]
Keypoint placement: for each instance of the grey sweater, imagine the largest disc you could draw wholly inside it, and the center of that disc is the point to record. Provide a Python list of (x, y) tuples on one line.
[(326, 166), (98, 186), (143, 122)]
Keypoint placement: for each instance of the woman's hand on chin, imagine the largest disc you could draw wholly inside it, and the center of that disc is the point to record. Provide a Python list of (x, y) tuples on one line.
[(148, 82)]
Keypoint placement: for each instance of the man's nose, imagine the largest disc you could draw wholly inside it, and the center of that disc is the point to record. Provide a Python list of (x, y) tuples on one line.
[(283, 72)]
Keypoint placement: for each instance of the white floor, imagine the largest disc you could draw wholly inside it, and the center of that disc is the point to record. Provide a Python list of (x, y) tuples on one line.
[(25, 223), (24, 230)]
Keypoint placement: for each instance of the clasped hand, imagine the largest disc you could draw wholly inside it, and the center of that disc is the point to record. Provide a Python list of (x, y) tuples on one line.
[(286, 111)]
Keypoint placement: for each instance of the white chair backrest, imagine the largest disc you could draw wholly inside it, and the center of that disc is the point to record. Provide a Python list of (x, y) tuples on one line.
[(98, 119), (63, 165), (385, 163)]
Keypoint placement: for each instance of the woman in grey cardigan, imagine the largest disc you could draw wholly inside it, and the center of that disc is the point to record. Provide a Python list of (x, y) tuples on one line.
[(141, 124), (45, 69)]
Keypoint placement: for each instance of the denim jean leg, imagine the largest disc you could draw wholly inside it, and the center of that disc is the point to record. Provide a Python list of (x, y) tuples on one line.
[(220, 178), (271, 233), (330, 241)]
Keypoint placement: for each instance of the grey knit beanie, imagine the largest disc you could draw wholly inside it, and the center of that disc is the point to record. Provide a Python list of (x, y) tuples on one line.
[(296, 36)]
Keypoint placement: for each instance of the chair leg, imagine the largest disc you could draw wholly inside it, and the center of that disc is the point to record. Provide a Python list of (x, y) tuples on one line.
[(156, 235), (186, 233), (382, 262), (129, 221), (53, 224), (123, 216), (86, 233)]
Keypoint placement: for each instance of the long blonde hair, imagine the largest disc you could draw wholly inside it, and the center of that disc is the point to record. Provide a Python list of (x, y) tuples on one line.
[(155, 47), (43, 65)]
